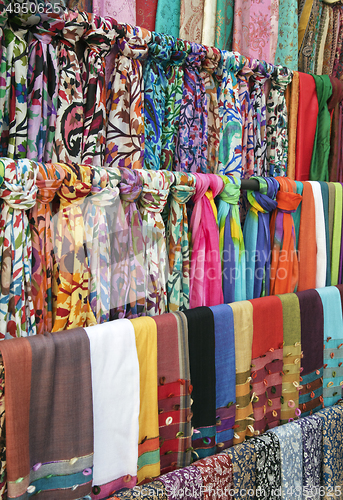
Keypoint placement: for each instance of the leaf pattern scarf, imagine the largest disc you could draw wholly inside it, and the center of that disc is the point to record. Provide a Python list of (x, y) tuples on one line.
[(49, 179), (173, 100), (230, 147), (69, 121), (42, 89), (71, 306), (18, 193), (125, 102), (256, 235), (98, 38), (155, 86), (231, 243), (156, 185), (191, 147), (205, 276), (243, 77), (277, 134), (181, 191), (133, 270), (268, 466)]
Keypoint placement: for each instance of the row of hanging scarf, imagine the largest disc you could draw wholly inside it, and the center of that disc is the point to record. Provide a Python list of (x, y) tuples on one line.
[(82, 245), (191, 385), (155, 102)]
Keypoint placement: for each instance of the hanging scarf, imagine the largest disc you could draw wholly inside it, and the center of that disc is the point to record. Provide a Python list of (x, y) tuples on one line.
[(132, 277), (287, 41), (42, 79), (312, 339), (168, 17), (319, 170), (258, 100), (98, 38), (284, 272), (71, 306), (312, 437), (49, 180), (292, 124), (146, 13), (231, 243), (268, 466), (205, 277), (18, 194), (181, 191), (297, 214), (277, 139), (209, 23), (243, 77), (337, 233), (125, 125), (243, 458), (217, 475), (153, 199), (173, 100), (256, 235), (230, 146), (209, 67), (191, 145), (125, 12), (307, 241), (155, 86), (224, 24), (322, 36), (14, 99), (320, 235), (191, 20), (291, 351), (325, 196), (334, 109)]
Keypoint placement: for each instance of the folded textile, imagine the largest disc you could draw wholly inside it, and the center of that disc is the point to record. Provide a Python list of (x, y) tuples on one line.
[(337, 234), (115, 385), (243, 458), (217, 476), (307, 248), (186, 482), (320, 235), (49, 430), (268, 466), (325, 196)]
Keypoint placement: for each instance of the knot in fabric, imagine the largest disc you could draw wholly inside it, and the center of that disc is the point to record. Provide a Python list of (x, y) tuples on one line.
[(216, 184), (244, 74), (114, 177), (156, 185), (179, 53), (231, 192), (76, 185), (100, 179), (100, 34), (135, 43), (281, 77), (212, 59), (160, 47), (287, 202), (196, 57), (262, 73), (201, 186), (48, 28), (49, 179), (19, 190), (264, 200), (131, 185), (184, 187), (76, 24)]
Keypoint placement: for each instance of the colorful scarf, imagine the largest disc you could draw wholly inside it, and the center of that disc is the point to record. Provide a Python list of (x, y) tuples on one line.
[(243, 458), (156, 185), (125, 124), (337, 233), (307, 241), (168, 17), (187, 480), (243, 77), (312, 436), (320, 235), (217, 476), (191, 145), (324, 187), (71, 306), (42, 91), (124, 12), (268, 466), (205, 276), (257, 237), (18, 193), (287, 41), (146, 13), (155, 86), (191, 20), (292, 124), (173, 99), (181, 191), (277, 137), (284, 270), (69, 121), (49, 180), (230, 145), (231, 243), (209, 23), (224, 24)]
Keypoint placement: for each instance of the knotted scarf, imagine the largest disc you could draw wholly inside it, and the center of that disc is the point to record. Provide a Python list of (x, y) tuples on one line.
[(307, 247), (99, 36), (205, 277), (98, 241), (125, 124), (256, 235), (156, 185), (277, 134), (191, 146), (319, 170), (181, 191), (231, 243), (284, 272), (258, 101), (18, 193), (230, 147), (243, 77), (49, 179), (132, 272), (173, 99), (191, 20), (42, 91), (69, 122), (209, 67), (71, 306), (155, 86)]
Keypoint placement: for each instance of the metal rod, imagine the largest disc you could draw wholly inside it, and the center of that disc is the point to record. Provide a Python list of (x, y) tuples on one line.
[(250, 184)]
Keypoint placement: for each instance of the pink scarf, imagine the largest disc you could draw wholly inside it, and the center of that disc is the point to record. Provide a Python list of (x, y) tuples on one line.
[(205, 275)]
